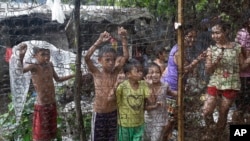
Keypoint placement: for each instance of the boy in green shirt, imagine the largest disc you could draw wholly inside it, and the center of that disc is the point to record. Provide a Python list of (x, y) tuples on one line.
[(131, 95)]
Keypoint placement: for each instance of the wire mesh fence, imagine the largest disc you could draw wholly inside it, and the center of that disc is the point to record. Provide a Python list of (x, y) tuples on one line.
[(150, 25)]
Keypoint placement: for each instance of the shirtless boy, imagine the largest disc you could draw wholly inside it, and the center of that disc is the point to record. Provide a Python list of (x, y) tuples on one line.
[(104, 120), (45, 112)]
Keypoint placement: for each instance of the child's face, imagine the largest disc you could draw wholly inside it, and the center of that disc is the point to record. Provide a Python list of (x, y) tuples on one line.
[(163, 56), (42, 57), (136, 73), (107, 60), (190, 38), (154, 73), (218, 34), (46, 55)]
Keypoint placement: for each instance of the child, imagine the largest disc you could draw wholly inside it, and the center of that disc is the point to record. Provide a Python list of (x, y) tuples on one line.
[(131, 95), (157, 116), (161, 56), (223, 62), (45, 112), (104, 119)]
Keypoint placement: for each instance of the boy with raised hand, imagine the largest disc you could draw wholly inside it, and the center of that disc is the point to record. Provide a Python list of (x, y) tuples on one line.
[(42, 74), (104, 119)]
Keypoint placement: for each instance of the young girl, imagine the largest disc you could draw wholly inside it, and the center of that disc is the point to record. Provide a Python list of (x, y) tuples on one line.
[(131, 95), (156, 114), (223, 62)]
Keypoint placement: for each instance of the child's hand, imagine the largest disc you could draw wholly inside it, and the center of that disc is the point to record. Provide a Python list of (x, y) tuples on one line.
[(220, 56), (122, 31), (120, 78), (104, 37), (148, 80), (202, 55), (159, 103), (22, 50)]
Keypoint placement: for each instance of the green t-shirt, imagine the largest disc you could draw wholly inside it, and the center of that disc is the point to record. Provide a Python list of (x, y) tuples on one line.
[(131, 104)]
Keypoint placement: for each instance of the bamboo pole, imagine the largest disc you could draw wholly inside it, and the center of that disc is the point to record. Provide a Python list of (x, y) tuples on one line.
[(77, 88), (180, 73)]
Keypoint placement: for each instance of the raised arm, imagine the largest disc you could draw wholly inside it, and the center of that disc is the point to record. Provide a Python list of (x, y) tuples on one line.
[(22, 50), (192, 65), (104, 37), (120, 61)]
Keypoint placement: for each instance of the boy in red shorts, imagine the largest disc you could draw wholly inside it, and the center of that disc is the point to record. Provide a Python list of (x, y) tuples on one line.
[(42, 74)]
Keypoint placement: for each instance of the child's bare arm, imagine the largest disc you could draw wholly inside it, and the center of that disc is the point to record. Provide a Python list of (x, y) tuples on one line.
[(61, 79), (122, 60), (172, 93), (192, 65), (22, 51), (104, 37)]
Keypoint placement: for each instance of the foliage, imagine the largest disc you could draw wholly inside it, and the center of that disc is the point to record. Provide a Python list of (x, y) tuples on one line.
[(15, 131), (156, 7), (201, 5)]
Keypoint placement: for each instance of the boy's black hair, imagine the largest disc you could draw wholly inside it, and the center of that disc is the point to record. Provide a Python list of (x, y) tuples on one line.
[(188, 28), (106, 49), (131, 64), (159, 50), (36, 50)]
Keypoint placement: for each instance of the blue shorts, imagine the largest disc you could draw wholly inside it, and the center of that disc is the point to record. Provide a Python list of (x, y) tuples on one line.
[(104, 126)]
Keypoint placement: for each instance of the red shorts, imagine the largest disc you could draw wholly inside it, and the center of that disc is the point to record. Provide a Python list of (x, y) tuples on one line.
[(44, 122), (229, 93)]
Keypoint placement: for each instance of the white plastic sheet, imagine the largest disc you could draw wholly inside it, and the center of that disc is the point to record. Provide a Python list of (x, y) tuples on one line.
[(57, 11)]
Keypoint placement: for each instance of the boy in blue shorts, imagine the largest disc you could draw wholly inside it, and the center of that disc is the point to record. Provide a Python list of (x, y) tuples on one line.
[(104, 119)]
